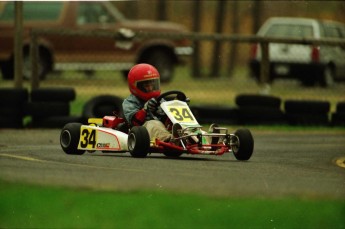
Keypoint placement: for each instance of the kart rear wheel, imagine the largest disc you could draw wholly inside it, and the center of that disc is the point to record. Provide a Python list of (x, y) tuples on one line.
[(69, 139), (242, 144), (138, 141), (172, 154)]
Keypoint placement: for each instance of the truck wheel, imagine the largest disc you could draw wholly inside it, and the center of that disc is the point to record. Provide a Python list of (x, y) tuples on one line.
[(242, 144), (164, 63), (7, 70), (43, 66), (69, 139), (138, 141), (327, 78)]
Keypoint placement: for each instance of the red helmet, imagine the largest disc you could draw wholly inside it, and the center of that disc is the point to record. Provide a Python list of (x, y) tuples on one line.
[(143, 81)]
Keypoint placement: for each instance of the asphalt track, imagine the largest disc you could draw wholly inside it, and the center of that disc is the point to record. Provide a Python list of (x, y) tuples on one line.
[(284, 163)]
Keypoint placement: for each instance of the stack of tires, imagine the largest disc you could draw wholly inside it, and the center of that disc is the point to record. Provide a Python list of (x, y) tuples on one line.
[(50, 107), (338, 118), (102, 105), (215, 114), (307, 113), (259, 110), (12, 107)]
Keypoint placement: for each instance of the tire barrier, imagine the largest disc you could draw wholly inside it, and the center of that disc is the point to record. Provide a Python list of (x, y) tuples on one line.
[(102, 105), (12, 107), (305, 112), (338, 118), (50, 107), (215, 114), (259, 110)]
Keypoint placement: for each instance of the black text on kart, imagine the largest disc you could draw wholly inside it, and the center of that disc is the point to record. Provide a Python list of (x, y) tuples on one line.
[(111, 134)]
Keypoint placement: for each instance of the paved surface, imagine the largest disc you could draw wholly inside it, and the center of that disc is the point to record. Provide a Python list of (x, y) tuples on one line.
[(291, 163)]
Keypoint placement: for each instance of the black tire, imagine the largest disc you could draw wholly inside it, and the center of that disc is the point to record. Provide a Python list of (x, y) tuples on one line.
[(69, 139), (338, 119), (7, 70), (53, 121), (172, 154), (138, 141), (44, 63), (211, 113), (164, 62), (12, 107), (327, 78), (244, 144), (11, 122), (48, 109), (307, 119), (13, 96), (53, 95), (341, 107), (256, 115), (102, 105), (258, 101), (306, 107)]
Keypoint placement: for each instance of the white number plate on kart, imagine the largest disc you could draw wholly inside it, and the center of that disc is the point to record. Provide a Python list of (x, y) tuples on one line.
[(179, 112), (95, 138)]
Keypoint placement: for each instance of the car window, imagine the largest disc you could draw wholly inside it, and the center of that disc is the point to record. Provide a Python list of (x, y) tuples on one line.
[(332, 32), (92, 12), (33, 11), (288, 30)]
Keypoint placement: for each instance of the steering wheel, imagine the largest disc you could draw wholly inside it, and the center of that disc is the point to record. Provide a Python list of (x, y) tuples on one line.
[(168, 96)]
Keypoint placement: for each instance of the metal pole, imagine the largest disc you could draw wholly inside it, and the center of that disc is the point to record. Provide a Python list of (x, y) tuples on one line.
[(34, 61), (18, 45), (265, 68)]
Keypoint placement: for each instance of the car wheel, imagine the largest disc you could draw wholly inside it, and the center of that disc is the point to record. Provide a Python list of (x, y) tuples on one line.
[(327, 78), (43, 66), (7, 70), (69, 139), (242, 144), (138, 141), (164, 64)]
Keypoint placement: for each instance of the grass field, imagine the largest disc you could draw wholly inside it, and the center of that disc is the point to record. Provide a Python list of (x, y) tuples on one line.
[(28, 206)]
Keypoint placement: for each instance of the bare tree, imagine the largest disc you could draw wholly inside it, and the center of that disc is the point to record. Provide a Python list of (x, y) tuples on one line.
[(196, 44), (162, 10), (235, 30), (219, 22)]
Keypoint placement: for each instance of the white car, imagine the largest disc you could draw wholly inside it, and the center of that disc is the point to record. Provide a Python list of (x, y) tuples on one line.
[(311, 65)]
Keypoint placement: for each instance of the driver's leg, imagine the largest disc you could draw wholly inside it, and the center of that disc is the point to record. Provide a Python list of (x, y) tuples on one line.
[(157, 130)]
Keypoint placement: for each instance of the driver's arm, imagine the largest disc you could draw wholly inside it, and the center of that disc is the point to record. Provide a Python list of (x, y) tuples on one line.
[(133, 112)]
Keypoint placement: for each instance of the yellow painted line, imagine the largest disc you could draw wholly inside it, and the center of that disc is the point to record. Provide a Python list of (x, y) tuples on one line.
[(20, 157), (85, 166), (340, 162), (66, 163)]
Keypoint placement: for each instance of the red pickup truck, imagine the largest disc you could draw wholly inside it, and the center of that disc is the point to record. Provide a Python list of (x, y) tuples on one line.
[(89, 53)]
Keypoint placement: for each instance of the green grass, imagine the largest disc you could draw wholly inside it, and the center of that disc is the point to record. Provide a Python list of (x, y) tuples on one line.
[(30, 206)]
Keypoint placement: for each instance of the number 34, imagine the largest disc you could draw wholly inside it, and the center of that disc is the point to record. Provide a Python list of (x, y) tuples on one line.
[(181, 114)]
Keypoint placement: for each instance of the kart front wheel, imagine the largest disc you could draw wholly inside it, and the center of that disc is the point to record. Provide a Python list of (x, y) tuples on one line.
[(138, 141), (242, 144), (69, 139)]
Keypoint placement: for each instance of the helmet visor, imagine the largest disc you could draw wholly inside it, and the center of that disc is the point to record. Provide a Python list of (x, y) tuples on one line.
[(149, 85)]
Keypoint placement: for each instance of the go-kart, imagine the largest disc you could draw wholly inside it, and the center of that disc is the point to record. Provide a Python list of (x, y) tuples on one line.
[(112, 134)]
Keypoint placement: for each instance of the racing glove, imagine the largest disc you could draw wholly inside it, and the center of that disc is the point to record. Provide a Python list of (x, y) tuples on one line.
[(151, 105)]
